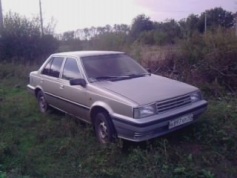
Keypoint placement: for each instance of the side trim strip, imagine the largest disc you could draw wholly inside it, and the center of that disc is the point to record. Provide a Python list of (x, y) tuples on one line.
[(30, 87), (71, 102)]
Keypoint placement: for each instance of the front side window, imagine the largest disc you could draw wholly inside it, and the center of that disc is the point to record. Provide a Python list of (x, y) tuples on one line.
[(71, 70), (46, 70), (52, 68)]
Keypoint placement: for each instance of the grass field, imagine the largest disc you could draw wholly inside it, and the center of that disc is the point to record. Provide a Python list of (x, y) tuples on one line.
[(55, 145)]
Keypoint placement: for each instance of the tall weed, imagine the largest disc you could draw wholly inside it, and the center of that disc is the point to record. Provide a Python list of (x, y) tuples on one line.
[(207, 61)]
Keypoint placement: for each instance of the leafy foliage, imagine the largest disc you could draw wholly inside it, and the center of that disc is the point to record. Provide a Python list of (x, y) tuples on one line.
[(21, 39), (189, 26), (100, 38), (215, 18), (140, 24), (146, 32), (56, 145), (211, 58), (207, 61)]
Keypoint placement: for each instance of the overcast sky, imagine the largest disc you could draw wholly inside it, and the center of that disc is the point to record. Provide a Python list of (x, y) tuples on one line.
[(75, 14)]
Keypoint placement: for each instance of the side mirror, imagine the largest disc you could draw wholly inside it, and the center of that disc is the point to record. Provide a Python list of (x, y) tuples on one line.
[(78, 81), (148, 70)]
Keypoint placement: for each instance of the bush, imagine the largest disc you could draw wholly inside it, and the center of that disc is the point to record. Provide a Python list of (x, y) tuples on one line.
[(22, 41), (207, 61), (212, 59)]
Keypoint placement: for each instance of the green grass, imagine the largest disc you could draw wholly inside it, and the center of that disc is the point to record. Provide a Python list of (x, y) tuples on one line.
[(55, 145)]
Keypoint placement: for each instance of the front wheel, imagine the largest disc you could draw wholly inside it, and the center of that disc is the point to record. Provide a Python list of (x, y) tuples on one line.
[(43, 105), (104, 129)]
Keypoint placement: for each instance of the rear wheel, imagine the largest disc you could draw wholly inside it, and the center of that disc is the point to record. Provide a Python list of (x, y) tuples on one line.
[(104, 129), (43, 105)]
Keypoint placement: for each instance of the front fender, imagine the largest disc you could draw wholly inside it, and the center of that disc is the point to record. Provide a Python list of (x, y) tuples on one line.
[(103, 105)]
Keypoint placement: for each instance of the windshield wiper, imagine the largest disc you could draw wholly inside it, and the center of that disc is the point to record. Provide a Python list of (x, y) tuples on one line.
[(130, 76), (106, 77), (136, 75), (120, 77)]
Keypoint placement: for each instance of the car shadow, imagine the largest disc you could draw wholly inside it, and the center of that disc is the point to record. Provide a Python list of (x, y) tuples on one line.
[(174, 139)]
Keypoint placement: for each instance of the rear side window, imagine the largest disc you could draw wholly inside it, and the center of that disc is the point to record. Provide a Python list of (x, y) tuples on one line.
[(52, 68), (71, 70)]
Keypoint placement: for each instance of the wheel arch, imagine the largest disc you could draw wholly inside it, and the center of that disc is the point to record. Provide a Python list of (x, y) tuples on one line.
[(102, 107), (37, 89), (97, 109)]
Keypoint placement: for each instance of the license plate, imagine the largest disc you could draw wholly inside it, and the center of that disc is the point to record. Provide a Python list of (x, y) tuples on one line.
[(180, 121)]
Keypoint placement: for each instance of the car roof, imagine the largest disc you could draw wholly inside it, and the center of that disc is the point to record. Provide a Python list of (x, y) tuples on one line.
[(86, 53)]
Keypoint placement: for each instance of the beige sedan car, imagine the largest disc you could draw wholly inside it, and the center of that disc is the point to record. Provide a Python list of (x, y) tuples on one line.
[(115, 94)]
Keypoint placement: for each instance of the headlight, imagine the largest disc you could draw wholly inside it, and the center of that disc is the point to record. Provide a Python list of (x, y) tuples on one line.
[(195, 97), (144, 111)]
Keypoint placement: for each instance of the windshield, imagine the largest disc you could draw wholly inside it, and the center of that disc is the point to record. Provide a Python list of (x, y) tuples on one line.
[(111, 67)]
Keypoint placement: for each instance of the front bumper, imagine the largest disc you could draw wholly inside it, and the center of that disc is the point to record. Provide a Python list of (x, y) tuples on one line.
[(157, 125), (30, 89)]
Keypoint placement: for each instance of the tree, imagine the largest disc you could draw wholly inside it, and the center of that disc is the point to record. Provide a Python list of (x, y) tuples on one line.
[(215, 18), (140, 24), (189, 26), (67, 36), (172, 30), (122, 28), (21, 39), (166, 32)]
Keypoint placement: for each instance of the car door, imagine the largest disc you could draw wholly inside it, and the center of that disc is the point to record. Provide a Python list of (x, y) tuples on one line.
[(50, 81), (75, 97)]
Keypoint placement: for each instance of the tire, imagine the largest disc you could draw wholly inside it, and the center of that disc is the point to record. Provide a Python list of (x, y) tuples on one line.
[(43, 105), (104, 130)]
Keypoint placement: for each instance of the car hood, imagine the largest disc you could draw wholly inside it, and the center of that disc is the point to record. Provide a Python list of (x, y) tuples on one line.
[(147, 89)]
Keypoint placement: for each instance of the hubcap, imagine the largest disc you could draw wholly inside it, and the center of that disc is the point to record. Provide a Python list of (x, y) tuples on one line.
[(42, 104), (103, 131)]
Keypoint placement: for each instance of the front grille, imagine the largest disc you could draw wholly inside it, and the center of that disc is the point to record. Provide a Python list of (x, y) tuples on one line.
[(172, 103)]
